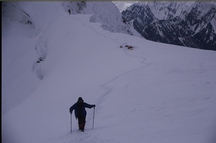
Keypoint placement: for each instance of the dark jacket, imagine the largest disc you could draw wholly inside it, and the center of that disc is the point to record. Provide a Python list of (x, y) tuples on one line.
[(80, 108)]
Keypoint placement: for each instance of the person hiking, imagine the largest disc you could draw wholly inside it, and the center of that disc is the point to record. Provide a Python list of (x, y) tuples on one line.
[(80, 112)]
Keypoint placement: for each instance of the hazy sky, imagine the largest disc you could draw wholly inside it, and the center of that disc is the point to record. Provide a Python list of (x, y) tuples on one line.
[(123, 4)]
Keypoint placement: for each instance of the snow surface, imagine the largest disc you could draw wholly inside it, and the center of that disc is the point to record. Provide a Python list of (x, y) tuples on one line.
[(155, 93)]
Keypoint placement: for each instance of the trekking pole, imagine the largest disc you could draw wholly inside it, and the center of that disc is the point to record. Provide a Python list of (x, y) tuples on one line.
[(71, 122), (93, 118)]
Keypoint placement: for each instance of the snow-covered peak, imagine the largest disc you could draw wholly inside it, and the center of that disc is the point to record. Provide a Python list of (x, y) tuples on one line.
[(141, 4), (199, 15), (213, 22), (167, 10), (161, 10), (123, 5), (105, 13), (202, 7)]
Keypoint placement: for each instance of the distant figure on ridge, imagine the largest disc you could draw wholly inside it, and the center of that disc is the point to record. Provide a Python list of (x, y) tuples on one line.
[(80, 112)]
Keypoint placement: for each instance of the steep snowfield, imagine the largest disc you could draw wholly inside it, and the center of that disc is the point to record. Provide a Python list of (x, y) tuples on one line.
[(104, 12), (153, 93)]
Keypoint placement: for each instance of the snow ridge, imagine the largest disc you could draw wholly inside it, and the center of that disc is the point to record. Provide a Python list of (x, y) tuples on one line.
[(105, 13)]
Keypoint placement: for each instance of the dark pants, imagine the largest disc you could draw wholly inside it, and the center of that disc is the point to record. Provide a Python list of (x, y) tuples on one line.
[(81, 122)]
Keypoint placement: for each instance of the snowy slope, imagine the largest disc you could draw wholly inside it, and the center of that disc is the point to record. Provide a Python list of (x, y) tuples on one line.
[(105, 13), (153, 93)]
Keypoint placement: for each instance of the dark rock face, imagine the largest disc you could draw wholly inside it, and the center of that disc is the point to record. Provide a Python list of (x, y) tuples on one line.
[(193, 27)]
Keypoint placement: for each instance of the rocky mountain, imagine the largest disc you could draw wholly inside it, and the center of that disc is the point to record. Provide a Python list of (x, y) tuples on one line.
[(139, 16), (180, 23)]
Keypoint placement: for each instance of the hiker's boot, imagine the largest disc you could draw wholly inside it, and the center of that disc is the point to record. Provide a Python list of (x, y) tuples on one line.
[(82, 126)]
